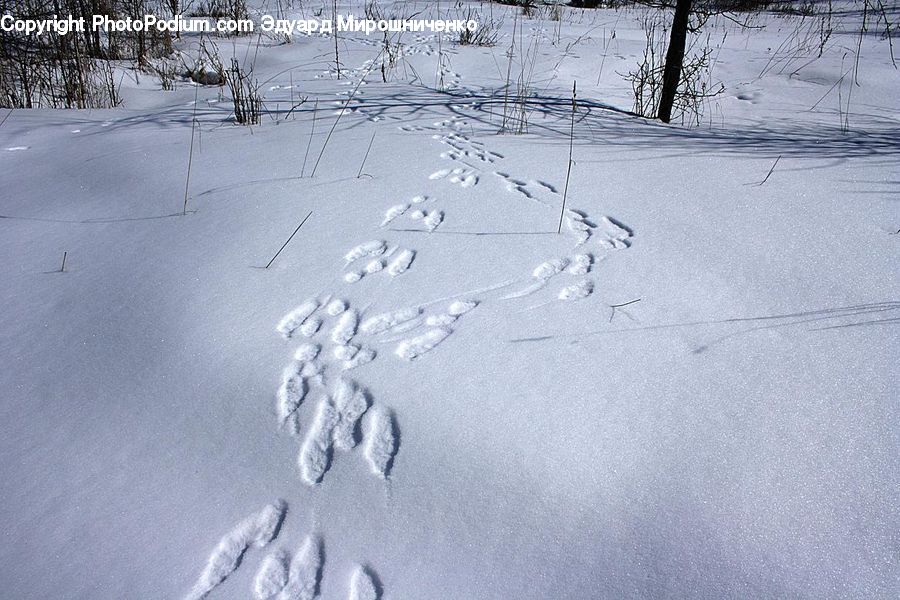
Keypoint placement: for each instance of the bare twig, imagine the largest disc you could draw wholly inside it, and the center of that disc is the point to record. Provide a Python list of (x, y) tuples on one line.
[(363, 164), (562, 210), (311, 134), (615, 306), (836, 83), (284, 245), (769, 174), (187, 181)]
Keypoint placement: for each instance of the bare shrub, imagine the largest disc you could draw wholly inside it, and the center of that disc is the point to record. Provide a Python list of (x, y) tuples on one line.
[(76, 70), (244, 94), (486, 34), (695, 85)]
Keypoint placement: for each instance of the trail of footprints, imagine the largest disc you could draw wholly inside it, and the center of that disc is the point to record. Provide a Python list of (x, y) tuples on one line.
[(416, 210), (593, 243), (281, 574), (334, 337), (341, 338)]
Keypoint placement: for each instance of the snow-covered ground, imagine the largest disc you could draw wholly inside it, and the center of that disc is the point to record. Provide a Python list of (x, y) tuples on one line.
[(430, 393)]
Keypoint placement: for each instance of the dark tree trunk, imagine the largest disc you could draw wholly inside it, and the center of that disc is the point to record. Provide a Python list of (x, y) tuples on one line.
[(674, 60)]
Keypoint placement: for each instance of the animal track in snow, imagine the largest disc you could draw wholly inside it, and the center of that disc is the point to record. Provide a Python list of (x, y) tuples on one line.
[(410, 318), (462, 147), (529, 189), (611, 234), (305, 572), (272, 576), (401, 262), (278, 576), (394, 212), (463, 177), (345, 352), (296, 317), (257, 530), (315, 454), (307, 352), (364, 356), (290, 396), (433, 219), (336, 307), (345, 329), (363, 585), (461, 307), (578, 225), (381, 441), (351, 403), (395, 266), (541, 275), (618, 236), (372, 248), (607, 235), (582, 289), (374, 266), (580, 265), (335, 426), (454, 124), (387, 321), (548, 269), (415, 347), (310, 326), (335, 419), (440, 320), (454, 311)]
